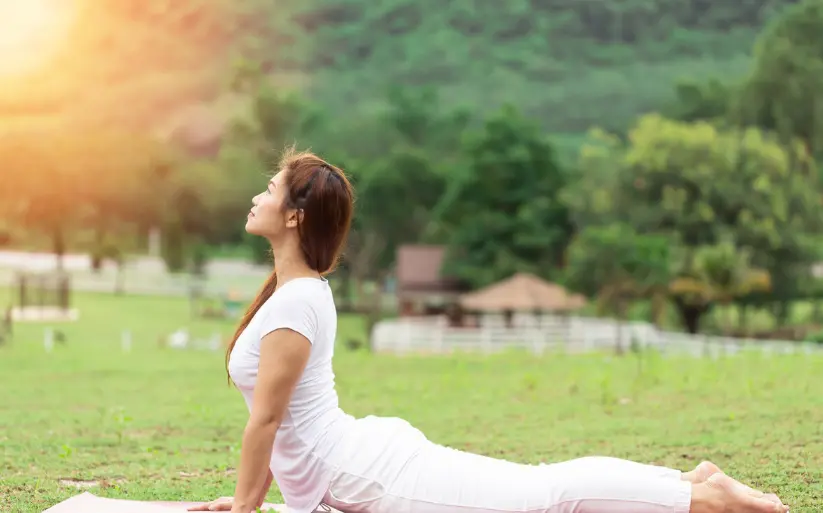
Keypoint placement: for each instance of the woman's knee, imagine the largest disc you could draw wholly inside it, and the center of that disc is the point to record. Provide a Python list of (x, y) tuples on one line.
[(354, 493)]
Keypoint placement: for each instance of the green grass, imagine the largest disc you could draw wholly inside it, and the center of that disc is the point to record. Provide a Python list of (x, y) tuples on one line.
[(159, 424)]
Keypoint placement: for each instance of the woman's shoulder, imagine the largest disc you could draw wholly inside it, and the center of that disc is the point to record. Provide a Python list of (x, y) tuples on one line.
[(304, 306), (300, 292)]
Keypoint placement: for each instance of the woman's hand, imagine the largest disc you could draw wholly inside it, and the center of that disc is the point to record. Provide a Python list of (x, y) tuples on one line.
[(221, 504), (227, 503)]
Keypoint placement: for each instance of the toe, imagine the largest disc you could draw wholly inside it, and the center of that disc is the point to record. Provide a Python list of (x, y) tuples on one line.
[(766, 506), (709, 466), (772, 498), (705, 469)]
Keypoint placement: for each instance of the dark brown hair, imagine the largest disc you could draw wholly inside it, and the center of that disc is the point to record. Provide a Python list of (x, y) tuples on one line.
[(326, 198)]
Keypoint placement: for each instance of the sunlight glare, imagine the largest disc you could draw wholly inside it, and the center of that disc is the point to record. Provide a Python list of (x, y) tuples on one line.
[(31, 32)]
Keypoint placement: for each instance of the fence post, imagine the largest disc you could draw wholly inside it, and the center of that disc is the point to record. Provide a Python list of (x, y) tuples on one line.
[(538, 341), (22, 288), (407, 336), (438, 338), (63, 291), (486, 339)]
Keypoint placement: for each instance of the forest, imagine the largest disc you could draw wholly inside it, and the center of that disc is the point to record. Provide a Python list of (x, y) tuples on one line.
[(571, 64)]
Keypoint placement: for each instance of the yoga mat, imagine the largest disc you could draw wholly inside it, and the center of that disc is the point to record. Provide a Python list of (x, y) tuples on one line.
[(89, 503)]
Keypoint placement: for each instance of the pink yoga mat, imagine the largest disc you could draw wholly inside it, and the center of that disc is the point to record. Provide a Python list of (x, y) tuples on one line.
[(90, 503)]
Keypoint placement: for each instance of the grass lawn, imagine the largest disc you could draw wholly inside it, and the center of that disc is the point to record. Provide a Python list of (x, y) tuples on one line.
[(160, 424)]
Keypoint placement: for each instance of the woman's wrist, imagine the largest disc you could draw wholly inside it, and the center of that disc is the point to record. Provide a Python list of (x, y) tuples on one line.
[(243, 506)]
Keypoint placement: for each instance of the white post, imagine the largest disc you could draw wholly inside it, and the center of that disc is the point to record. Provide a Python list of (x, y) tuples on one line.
[(486, 339), (48, 340), (407, 332), (438, 338), (538, 342), (215, 342), (154, 242), (125, 341)]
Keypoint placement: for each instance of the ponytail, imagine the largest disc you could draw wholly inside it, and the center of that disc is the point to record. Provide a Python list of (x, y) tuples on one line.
[(265, 293)]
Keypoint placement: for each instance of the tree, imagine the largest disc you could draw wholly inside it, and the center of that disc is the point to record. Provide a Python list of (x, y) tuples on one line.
[(417, 118), (784, 91), (42, 184), (123, 180), (783, 94), (283, 119), (195, 196), (396, 198), (701, 101), (618, 265), (400, 189), (718, 274), (108, 183), (504, 214), (704, 185)]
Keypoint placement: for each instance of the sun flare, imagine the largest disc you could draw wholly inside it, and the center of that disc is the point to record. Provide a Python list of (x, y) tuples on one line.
[(31, 31)]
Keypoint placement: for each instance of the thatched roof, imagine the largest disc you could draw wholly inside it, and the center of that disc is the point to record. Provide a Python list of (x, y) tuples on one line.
[(522, 292)]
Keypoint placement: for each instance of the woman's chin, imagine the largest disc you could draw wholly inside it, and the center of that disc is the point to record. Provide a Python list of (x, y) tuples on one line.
[(253, 228)]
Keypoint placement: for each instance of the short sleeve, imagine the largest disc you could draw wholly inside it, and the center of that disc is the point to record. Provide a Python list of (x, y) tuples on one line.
[(295, 313)]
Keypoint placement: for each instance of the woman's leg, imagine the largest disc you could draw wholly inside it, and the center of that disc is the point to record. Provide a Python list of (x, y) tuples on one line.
[(615, 466), (440, 479), (376, 476)]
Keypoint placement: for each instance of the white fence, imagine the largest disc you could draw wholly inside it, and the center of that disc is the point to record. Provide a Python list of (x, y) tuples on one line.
[(559, 333), (140, 275)]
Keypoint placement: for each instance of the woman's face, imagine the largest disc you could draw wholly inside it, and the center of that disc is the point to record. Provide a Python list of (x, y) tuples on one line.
[(268, 216)]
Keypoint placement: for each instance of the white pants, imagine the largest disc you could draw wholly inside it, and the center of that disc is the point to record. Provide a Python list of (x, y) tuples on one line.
[(437, 479)]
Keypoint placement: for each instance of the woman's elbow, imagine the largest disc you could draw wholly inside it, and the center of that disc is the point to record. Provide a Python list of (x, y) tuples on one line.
[(264, 421)]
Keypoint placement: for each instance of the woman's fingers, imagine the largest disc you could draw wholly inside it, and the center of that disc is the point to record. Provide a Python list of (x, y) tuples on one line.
[(221, 504)]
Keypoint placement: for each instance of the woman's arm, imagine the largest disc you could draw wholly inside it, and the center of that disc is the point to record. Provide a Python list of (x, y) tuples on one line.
[(283, 356), (262, 498)]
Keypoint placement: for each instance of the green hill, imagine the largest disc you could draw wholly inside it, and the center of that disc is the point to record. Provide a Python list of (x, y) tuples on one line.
[(571, 63)]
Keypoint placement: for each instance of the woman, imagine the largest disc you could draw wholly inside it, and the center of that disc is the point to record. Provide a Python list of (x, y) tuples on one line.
[(281, 361)]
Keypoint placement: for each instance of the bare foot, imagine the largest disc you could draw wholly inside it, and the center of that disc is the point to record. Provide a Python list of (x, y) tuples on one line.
[(720, 493), (706, 469), (758, 494)]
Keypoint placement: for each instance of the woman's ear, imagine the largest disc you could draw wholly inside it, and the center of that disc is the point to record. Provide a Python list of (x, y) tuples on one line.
[(294, 218)]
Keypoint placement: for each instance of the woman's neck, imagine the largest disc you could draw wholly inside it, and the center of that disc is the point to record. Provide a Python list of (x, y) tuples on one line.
[(290, 264)]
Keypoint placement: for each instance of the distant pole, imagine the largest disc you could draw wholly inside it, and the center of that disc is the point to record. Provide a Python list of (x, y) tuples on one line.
[(155, 238), (48, 340), (125, 341)]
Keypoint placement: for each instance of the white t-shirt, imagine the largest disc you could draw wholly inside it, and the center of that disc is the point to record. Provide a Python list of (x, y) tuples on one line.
[(304, 458)]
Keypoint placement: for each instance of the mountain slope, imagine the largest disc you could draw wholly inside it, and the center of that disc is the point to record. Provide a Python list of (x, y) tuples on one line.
[(570, 63), (573, 63)]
